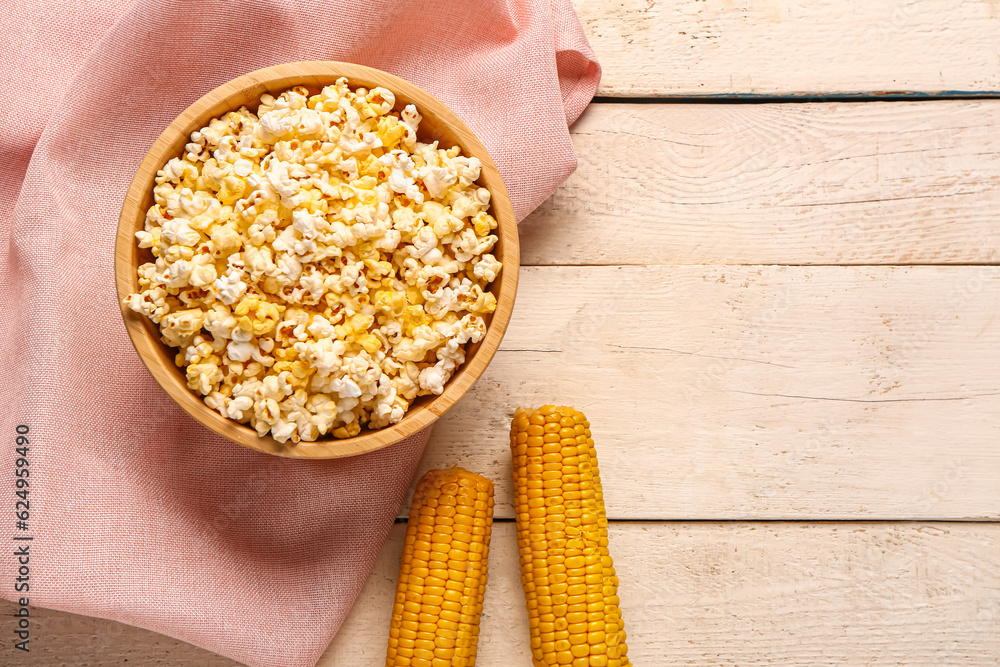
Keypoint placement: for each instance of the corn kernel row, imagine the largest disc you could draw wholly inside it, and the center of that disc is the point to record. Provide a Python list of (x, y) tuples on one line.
[(569, 581), (442, 574)]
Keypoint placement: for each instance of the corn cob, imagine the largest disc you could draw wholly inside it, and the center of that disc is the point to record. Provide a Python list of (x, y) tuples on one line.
[(568, 577), (442, 574)]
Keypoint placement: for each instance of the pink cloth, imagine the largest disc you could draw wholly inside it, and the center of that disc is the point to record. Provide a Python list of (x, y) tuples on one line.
[(138, 513)]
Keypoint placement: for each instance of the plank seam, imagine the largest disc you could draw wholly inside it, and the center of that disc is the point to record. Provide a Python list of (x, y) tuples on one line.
[(798, 98), (774, 521), (716, 265)]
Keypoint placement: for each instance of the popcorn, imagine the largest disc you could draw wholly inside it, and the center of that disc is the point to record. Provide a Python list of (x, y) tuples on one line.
[(401, 175), (486, 267), (238, 406), (410, 119), (468, 245), (239, 351), (437, 180), (367, 143), (317, 267), (203, 377), (230, 287)]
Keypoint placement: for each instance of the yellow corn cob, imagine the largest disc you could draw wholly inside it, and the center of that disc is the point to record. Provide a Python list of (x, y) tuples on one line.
[(567, 574), (442, 574)]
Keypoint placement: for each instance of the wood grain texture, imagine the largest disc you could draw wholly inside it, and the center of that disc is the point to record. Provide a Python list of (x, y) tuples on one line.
[(825, 183), (755, 392), (653, 48), (691, 593), (439, 123)]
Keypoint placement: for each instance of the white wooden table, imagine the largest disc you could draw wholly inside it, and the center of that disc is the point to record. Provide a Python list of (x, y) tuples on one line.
[(778, 305)]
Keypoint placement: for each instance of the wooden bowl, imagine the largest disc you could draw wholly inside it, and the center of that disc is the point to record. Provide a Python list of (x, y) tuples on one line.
[(439, 123)]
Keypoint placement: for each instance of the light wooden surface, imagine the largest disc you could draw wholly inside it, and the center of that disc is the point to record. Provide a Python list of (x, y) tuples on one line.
[(725, 390), (756, 392), (691, 593), (823, 183), (650, 48), (439, 123)]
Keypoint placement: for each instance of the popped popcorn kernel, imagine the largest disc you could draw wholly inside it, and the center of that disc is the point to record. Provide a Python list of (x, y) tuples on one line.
[(316, 266)]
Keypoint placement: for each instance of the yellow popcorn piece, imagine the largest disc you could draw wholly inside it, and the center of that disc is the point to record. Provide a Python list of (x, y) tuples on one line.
[(413, 317), (282, 366), (301, 369), (348, 431), (232, 189), (369, 343), (390, 132), (483, 224), (202, 378), (261, 316), (391, 302)]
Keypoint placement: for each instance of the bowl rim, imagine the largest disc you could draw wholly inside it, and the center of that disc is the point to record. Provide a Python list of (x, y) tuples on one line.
[(275, 79)]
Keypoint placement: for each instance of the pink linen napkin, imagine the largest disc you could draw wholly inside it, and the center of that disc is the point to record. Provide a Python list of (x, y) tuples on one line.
[(137, 513)]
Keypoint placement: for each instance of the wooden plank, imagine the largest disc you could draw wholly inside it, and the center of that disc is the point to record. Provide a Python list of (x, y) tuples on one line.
[(789, 47), (692, 593), (833, 183), (756, 392)]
